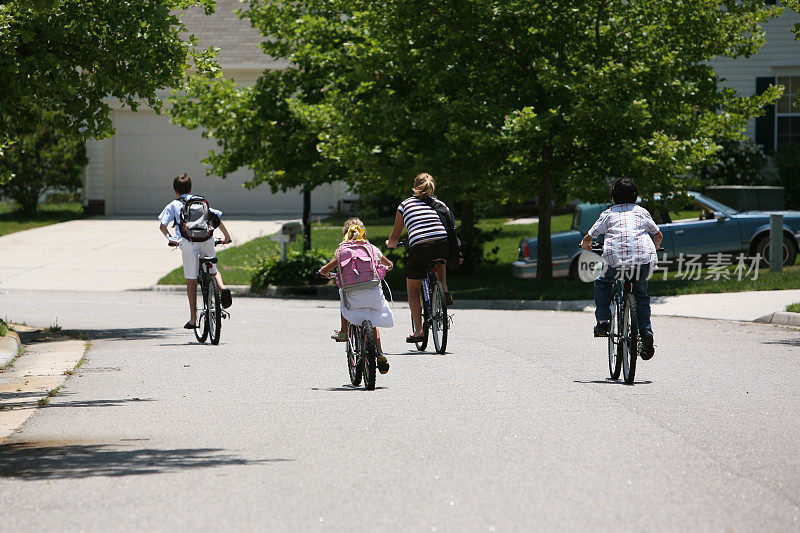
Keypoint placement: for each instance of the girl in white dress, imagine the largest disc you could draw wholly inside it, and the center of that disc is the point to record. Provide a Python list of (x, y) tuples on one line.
[(364, 304)]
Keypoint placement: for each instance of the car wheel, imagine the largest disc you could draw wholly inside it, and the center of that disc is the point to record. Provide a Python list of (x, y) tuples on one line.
[(789, 250), (573, 270)]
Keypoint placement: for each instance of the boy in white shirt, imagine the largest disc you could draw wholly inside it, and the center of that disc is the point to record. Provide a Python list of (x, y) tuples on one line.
[(190, 250), (627, 244)]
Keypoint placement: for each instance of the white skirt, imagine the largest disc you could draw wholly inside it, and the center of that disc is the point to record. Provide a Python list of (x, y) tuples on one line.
[(367, 304)]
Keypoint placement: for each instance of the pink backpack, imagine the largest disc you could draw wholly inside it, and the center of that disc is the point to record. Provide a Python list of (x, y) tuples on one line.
[(358, 267)]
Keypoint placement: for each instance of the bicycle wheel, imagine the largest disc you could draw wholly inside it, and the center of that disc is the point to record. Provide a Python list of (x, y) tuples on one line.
[(614, 346), (353, 351), (425, 319), (368, 355), (213, 311), (201, 331), (630, 338), (439, 320)]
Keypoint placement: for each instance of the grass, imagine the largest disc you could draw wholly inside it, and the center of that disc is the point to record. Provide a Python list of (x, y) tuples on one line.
[(493, 281), (12, 220), (236, 263), (793, 308)]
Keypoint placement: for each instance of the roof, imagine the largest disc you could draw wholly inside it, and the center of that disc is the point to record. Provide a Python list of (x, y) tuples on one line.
[(237, 40)]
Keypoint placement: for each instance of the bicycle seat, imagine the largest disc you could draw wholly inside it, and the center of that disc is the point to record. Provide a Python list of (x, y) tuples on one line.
[(211, 260)]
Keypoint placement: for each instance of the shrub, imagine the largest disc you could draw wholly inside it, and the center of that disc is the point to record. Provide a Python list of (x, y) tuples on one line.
[(298, 269), (3, 328), (738, 163)]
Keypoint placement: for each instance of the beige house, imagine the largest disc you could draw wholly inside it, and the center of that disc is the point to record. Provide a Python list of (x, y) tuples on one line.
[(131, 173)]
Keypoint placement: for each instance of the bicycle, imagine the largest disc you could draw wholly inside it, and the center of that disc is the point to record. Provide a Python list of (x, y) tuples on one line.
[(624, 344), (362, 351), (434, 309), (211, 313)]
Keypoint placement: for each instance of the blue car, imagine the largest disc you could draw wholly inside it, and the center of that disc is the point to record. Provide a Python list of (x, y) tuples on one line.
[(717, 228)]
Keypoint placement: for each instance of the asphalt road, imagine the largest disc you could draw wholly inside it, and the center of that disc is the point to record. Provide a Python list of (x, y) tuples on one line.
[(516, 429)]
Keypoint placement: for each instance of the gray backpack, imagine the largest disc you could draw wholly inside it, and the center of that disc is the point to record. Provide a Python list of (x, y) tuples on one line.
[(196, 219)]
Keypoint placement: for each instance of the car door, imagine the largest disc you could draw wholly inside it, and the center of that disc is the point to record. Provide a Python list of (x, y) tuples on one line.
[(721, 234)]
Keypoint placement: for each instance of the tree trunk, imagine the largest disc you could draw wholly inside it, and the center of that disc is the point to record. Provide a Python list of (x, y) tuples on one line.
[(306, 219), (467, 217), (544, 254), (27, 198)]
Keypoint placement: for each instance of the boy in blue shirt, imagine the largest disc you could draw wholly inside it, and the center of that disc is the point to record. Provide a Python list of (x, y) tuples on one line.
[(627, 244), (191, 251)]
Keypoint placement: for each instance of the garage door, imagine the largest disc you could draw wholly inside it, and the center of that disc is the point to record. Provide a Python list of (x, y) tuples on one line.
[(149, 152)]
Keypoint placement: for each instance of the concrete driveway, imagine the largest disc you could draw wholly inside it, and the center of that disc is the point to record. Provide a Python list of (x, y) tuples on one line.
[(105, 253)]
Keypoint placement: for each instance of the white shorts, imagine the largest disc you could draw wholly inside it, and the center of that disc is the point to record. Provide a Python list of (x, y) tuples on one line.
[(192, 251)]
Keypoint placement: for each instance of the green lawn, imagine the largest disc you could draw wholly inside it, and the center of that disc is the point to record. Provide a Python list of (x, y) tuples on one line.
[(492, 281), (235, 263), (12, 220)]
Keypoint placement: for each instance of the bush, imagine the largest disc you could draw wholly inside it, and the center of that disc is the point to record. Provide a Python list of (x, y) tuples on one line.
[(298, 269), (3, 328), (738, 163), (788, 162), (41, 157)]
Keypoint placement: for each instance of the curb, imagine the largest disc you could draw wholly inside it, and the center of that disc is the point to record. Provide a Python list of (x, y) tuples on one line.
[(782, 318), (10, 346)]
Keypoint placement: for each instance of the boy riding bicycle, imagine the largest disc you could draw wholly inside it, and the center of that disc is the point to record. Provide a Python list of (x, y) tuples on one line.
[(627, 247), (193, 247)]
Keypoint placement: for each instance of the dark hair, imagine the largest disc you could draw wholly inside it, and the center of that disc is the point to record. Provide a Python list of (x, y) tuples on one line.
[(624, 191), (182, 184)]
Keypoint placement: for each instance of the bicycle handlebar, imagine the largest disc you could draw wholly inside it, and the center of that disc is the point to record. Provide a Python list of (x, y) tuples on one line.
[(175, 244)]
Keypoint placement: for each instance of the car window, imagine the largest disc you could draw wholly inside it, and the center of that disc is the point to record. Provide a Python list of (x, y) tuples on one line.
[(576, 219), (692, 212)]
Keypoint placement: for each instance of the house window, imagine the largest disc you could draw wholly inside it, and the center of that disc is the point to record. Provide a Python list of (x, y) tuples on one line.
[(787, 123)]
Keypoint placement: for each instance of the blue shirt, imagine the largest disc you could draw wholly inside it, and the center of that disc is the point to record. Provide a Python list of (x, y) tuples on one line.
[(172, 214)]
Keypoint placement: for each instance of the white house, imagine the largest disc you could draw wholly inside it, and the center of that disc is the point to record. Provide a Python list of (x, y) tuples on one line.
[(131, 173), (777, 62)]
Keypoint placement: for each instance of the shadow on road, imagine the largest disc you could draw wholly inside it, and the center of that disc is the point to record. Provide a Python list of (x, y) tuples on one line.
[(120, 334), (30, 400), (125, 334), (53, 460), (609, 381), (346, 387), (785, 342)]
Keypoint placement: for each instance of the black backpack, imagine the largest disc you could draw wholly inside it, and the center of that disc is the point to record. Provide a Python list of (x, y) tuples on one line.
[(456, 258), (197, 222)]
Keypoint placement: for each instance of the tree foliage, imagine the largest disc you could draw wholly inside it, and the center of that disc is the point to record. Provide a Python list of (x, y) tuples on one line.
[(511, 99), (72, 55), (261, 127), (39, 159)]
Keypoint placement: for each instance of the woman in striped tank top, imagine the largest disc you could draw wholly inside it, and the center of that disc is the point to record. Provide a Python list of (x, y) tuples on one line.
[(427, 240)]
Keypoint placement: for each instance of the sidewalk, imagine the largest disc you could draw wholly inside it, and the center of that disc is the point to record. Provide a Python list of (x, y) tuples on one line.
[(104, 253), (40, 372)]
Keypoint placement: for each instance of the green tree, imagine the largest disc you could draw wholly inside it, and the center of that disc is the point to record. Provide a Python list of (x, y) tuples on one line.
[(262, 127), (46, 157), (71, 55), (519, 98)]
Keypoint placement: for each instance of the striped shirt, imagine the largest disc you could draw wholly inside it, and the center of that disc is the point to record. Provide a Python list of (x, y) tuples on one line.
[(422, 222)]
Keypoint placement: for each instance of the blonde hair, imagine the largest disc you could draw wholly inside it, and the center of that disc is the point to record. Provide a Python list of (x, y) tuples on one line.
[(354, 230), (424, 185)]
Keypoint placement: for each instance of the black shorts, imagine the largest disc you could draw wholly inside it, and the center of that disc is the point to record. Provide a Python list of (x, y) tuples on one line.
[(420, 257)]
